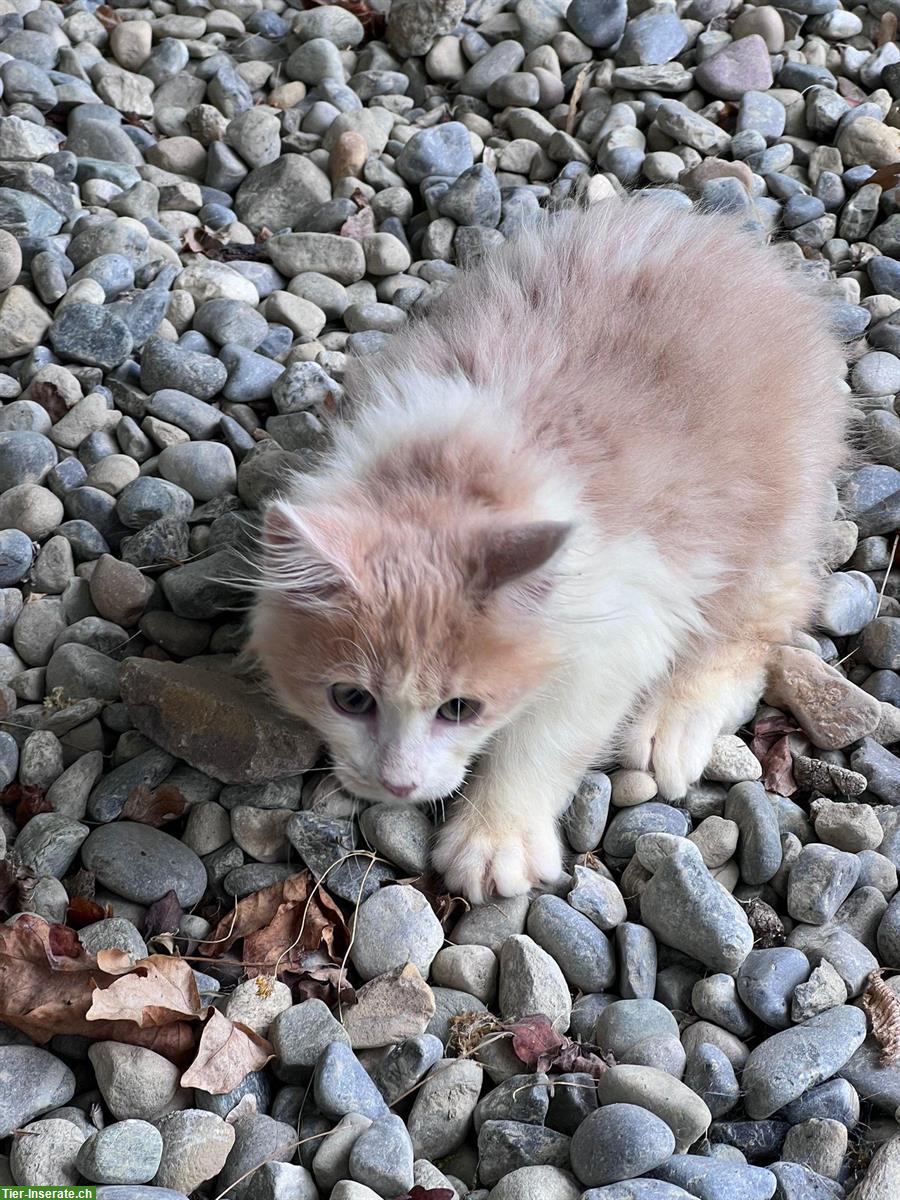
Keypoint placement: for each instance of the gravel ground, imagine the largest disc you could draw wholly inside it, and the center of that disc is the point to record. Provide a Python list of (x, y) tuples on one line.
[(205, 207)]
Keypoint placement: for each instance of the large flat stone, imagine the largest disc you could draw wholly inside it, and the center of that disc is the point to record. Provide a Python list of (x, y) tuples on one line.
[(216, 721)]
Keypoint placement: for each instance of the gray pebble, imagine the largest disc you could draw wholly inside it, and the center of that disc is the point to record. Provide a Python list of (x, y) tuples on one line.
[(619, 1141)]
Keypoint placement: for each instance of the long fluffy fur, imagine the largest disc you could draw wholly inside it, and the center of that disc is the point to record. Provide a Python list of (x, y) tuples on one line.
[(658, 380)]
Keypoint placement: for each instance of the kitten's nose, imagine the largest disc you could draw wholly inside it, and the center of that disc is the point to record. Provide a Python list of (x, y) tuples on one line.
[(397, 789)]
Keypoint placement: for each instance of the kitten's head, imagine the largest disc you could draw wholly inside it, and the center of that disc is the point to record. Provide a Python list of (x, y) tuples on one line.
[(406, 645)]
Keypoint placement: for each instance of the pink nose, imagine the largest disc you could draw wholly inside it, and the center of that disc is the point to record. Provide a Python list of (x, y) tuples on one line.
[(398, 789)]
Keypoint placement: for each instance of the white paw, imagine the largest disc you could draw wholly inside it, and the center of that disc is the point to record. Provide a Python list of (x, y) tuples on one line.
[(478, 861), (673, 735), (682, 746)]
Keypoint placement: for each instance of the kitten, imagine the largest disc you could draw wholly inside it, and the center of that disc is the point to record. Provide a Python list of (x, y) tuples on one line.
[(573, 508)]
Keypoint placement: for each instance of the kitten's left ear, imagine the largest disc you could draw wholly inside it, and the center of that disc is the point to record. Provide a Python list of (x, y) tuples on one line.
[(308, 555), (514, 553)]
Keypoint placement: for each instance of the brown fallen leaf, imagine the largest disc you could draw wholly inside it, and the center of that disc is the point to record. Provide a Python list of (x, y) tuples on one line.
[(162, 916), (63, 942), (328, 984), (115, 962), (537, 1044), (271, 920), (27, 800), (154, 806), (887, 176), (82, 911), (43, 993), (227, 1054), (534, 1042), (882, 1006), (772, 747), (49, 397), (158, 991)]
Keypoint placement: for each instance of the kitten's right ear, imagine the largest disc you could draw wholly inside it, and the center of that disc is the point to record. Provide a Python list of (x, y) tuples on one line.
[(306, 555)]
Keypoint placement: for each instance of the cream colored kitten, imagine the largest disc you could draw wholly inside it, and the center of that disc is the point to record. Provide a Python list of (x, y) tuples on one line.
[(573, 508)]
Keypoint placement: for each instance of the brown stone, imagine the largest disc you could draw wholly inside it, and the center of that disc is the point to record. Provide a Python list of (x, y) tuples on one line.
[(389, 1009), (716, 168), (832, 711), (120, 591), (218, 722), (348, 156)]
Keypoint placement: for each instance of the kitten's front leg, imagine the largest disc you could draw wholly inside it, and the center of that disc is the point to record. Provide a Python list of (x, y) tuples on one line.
[(502, 838)]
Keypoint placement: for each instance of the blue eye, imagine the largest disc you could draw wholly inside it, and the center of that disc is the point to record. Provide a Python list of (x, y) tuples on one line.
[(355, 701), (459, 710)]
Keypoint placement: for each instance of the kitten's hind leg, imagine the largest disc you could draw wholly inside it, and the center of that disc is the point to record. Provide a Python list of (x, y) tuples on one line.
[(716, 692), (674, 733)]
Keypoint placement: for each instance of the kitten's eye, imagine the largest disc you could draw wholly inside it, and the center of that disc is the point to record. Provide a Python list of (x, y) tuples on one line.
[(353, 700), (459, 709)]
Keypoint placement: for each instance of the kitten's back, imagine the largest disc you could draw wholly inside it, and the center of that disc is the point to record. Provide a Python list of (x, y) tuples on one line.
[(671, 360)]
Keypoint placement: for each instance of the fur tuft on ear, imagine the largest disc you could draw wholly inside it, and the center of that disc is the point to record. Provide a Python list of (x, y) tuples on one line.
[(507, 555), (307, 555)]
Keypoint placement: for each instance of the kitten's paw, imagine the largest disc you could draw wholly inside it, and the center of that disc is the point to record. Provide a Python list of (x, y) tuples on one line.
[(478, 861), (682, 746), (674, 735)]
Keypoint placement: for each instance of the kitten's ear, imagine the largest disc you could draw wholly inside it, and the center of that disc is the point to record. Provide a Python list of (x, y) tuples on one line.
[(510, 554), (307, 555)]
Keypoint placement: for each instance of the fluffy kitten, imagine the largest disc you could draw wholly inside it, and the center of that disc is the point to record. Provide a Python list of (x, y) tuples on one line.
[(573, 507)]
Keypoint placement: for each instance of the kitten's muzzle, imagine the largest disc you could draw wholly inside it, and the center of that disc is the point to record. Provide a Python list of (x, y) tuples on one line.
[(401, 790)]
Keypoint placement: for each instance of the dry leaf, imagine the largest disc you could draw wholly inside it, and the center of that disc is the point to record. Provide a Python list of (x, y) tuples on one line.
[(887, 176), (534, 1042), (27, 799), (575, 98), (882, 1006), (227, 1054), (328, 984), (162, 916), (63, 942), (771, 746), (115, 962), (43, 993), (49, 397), (156, 806), (271, 920), (537, 1044), (159, 991), (82, 911)]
